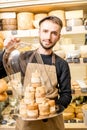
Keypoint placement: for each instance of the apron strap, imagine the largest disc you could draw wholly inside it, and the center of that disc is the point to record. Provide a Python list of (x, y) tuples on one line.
[(35, 52), (53, 59)]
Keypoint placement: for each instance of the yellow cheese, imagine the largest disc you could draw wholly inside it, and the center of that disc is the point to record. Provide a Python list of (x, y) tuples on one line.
[(25, 20), (7, 15), (60, 14), (40, 16), (37, 18), (74, 14)]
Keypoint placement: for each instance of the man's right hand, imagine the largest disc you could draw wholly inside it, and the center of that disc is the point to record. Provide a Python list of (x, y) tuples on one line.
[(10, 41)]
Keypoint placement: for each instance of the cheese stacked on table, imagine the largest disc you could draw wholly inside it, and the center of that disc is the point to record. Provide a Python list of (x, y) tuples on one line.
[(35, 104), (73, 111), (69, 113)]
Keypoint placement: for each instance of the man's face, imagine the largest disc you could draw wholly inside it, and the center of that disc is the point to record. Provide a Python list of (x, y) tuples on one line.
[(49, 34)]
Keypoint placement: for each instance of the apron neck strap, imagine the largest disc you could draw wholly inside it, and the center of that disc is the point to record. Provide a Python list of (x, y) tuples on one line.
[(35, 52)]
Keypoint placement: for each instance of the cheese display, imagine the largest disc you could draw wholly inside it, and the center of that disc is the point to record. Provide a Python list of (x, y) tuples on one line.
[(35, 103), (25, 20)]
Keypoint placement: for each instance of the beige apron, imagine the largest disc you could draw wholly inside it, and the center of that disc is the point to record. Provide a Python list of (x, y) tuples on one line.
[(55, 123)]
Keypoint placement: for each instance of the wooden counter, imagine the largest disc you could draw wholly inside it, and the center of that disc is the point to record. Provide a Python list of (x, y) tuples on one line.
[(68, 126)]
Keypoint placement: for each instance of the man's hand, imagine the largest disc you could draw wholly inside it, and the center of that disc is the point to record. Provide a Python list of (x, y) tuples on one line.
[(10, 41)]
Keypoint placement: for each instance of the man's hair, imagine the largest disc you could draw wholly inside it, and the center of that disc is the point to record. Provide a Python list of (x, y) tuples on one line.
[(54, 19)]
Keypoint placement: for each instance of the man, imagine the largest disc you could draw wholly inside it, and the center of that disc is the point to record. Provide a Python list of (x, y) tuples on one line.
[(49, 34)]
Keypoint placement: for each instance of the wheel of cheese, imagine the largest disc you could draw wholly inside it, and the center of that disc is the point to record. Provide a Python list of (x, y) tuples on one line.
[(74, 22), (60, 14), (69, 109), (25, 20), (78, 109), (79, 115), (68, 116), (9, 21), (9, 27), (37, 18), (3, 86), (3, 96), (40, 16), (6, 15), (74, 14)]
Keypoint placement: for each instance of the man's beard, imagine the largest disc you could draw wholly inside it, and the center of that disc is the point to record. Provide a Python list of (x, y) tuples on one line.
[(47, 48)]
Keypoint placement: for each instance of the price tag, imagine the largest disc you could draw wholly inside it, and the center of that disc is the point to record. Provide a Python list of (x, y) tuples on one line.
[(14, 32), (68, 28), (85, 27)]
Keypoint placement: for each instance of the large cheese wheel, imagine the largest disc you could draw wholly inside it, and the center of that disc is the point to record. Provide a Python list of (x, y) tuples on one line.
[(9, 21), (78, 109), (37, 18), (25, 20), (7, 15), (9, 27), (79, 115), (68, 116), (74, 22), (60, 14), (69, 109), (40, 16), (74, 14)]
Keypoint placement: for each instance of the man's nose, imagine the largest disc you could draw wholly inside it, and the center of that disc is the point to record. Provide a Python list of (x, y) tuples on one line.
[(49, 35)]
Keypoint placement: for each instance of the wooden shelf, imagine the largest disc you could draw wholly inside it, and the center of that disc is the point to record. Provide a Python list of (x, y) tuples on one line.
[(34, 32), (75, 126), (68, 126), (42, 5)]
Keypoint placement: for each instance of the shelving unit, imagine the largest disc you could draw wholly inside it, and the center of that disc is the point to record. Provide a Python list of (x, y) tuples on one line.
[(34, 32), (40, 6)]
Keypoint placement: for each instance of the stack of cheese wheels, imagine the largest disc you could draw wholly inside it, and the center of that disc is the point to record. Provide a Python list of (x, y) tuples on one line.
[(69, 112), (78, 112), (25, 20), (3, 88), (1, 40), (37, 18), (35, 103), (9, 21), (60, 14)]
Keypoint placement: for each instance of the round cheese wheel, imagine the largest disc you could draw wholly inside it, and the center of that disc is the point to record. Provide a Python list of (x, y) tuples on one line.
[(9, 27), (68, 116), (60, 14), (25, 20), (69, 109), (40, 16), (78, 109), (6, 15), (11, 21)]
